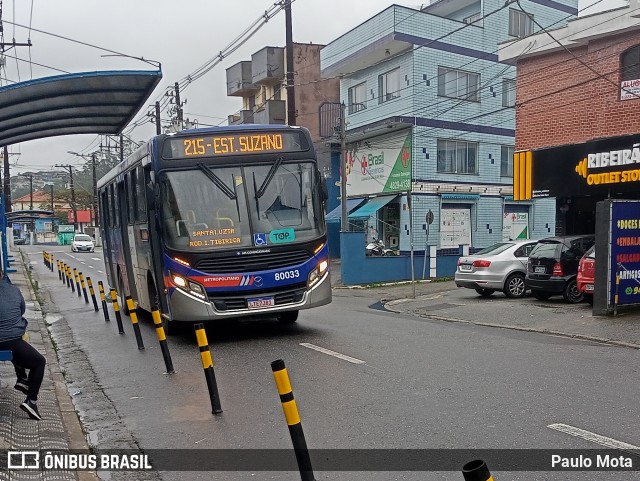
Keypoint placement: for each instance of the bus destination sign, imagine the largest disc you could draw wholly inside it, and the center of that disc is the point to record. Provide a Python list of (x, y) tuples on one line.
[(215, 145)]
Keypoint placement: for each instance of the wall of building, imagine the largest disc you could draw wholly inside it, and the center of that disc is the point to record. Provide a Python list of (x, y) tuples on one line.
[(561, 101), (310, 91)]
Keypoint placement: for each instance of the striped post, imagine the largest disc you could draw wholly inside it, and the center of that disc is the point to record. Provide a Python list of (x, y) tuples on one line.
[(51, 258), (66, 274), (58, 267), (476, 470), (77, 279), (116, 309), (71, 283), (207, 365), (134, 321), (103, 299), (84, 288), (93, 294), (293, 419), (162, 339)]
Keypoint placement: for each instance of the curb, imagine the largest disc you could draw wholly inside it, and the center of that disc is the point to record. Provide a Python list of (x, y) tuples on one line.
[(548, 332), (70, 420)]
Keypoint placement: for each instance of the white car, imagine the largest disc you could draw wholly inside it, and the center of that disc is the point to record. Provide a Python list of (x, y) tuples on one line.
[(82, 242)]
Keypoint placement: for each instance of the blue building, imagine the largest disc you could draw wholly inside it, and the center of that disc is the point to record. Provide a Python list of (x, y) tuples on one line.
[(431, 122)]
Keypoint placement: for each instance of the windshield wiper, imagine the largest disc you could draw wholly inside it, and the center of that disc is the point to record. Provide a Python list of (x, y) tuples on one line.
[(216, 180), (268, 178)]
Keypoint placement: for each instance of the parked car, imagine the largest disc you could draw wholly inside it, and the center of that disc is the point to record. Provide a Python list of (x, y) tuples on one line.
[(553, 267), (501, 267), (587, 273), (82, 242), (19, 241)]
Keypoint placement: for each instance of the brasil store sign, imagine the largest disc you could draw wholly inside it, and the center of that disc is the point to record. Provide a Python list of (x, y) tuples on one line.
[(380, 165)]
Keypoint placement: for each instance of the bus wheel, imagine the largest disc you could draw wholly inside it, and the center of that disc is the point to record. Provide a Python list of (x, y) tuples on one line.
[(288, 317)]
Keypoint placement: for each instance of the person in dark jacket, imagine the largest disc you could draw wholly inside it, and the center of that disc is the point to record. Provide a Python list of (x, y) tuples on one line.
[(12, 327)]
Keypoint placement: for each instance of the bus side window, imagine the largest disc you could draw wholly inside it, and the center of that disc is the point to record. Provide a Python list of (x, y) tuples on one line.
[(115, 208), (106, 218), (141, 208), (131, 183)]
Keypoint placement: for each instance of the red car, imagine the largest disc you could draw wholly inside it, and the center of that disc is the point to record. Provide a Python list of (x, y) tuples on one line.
[(586, 274)]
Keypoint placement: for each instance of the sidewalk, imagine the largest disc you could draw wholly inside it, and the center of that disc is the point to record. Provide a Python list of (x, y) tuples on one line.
[(60, 428)]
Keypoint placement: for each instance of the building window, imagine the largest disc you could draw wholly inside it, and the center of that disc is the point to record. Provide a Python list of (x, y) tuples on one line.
[(458, 84), (506, 161), (520, 23), (630, 64), (358, 98), (508, 93), (456, 157), (389, 86)]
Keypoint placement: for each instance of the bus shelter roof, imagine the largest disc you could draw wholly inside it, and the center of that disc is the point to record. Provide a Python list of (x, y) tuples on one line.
[(78, 103)]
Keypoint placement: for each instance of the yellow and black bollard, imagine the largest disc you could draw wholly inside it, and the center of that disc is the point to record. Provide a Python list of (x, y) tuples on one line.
[(116, 309), (104, 302), (162, 338), (207, 364), (134, 321), (65, 279), (58, 267), (93, 294), (71, 283), (84, 288), (293, 419), (63, 272), (77, 279), (51, 258), (476, 470)]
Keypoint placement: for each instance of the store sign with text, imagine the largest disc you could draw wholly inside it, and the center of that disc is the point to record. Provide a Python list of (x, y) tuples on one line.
[(625, 253), (599, 167), (380, 165), (515, 225), (630, 89)]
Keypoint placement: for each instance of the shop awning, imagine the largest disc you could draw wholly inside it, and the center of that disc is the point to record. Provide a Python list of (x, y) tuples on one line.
[(371, 207), (336, 214)]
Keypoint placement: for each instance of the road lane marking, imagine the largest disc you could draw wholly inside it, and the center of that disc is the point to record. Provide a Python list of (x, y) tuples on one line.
[(593, 437), (90, 267), (96, 259), (332, 353), (101, 272)]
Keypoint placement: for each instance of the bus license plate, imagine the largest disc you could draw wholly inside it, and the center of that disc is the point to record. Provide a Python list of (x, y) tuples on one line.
[(260, 302)]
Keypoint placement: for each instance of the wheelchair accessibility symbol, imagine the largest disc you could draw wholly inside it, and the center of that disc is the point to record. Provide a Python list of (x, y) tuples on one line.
[(260, 239)]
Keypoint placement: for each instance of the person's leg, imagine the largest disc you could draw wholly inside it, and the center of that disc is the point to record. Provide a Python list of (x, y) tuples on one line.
[(21, 373), (28, 357), (22, 384)]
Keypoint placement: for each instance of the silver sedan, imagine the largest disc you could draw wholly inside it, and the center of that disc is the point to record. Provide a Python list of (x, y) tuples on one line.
[(501, 267)]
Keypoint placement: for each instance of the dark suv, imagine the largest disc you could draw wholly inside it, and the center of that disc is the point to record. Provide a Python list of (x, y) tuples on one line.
[(553, 267)]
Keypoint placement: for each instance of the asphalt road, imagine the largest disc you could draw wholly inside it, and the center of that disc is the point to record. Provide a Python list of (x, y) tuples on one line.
[(407, 382)]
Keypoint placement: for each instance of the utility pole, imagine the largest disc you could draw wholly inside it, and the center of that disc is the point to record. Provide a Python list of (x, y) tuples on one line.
[(158, 126), (94, 181), (291, 99), (7, 180), (178, 105), (343, 153), (73, 194), (30, 177)]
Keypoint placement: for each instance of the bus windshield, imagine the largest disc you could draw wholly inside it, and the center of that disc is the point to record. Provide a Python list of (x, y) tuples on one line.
[(238, 207)]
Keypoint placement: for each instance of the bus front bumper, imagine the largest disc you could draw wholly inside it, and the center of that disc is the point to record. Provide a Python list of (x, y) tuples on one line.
[(185, 307)]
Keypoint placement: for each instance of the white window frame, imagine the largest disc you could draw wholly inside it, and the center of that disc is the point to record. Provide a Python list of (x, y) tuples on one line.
[(520, 23), (473, 18), (357, 96), (457, 159), (508, 92), (506, 160), (458, 84), (389, 85)]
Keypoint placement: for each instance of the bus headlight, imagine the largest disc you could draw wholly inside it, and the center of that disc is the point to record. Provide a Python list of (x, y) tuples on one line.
[(188, 285), (316, 274)]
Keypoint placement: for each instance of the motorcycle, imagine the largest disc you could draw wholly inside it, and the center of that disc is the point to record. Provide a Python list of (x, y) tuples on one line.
[(376, 248)]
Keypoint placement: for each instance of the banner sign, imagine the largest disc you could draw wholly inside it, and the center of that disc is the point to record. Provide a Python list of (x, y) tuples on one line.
[(380, 165), (603, 167), (625, 253), (515, 225), (455, 227)]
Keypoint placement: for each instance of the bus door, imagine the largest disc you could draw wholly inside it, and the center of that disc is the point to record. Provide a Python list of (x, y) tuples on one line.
[(107, 221), (123, 212)]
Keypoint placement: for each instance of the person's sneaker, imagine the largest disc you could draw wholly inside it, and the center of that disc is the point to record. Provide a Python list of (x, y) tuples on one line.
[(22, 385), (31, 409)]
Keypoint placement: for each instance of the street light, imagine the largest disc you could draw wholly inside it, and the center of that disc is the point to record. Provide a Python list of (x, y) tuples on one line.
[(94, 201)]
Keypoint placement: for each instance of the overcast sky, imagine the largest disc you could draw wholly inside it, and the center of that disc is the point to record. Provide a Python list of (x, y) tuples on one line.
[(182, 36)]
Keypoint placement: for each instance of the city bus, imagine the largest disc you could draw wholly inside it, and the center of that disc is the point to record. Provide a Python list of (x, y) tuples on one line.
[(218, 222)]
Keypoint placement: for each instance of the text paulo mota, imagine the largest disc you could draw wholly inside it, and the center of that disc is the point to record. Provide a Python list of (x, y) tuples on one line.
[(218, 222)]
